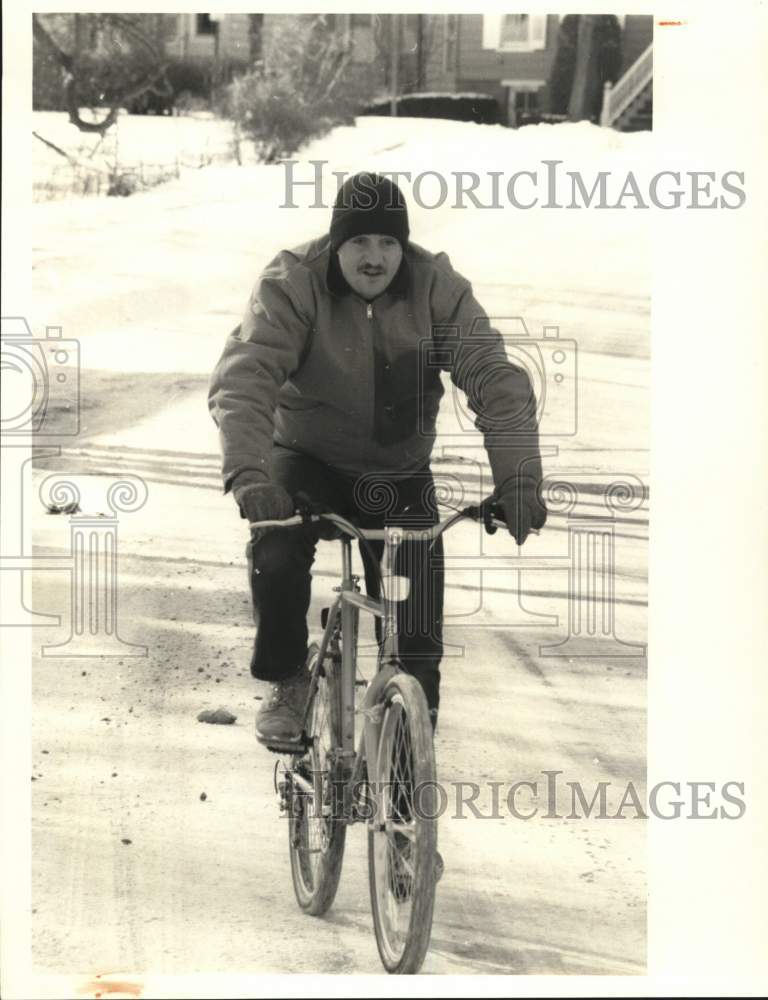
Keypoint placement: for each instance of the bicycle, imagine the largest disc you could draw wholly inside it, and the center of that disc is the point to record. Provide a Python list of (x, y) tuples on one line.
[(389, 781)]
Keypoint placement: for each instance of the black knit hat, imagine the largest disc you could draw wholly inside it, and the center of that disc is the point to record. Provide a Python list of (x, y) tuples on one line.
[(369, 203)]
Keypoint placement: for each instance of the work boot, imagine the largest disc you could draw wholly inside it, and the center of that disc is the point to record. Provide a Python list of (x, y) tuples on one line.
[(400, 877), (281, 718)]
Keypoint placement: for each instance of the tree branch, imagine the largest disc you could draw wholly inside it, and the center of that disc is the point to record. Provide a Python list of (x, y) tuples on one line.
[(136, 32), (54, 147), (67, 156), (42, 36), (70, 91), (67, 63)]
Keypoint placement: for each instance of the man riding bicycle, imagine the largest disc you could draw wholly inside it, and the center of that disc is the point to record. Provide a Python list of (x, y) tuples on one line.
[(325, 390)]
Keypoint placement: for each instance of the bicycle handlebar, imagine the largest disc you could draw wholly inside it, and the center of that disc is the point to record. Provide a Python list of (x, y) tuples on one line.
[(475, 512)]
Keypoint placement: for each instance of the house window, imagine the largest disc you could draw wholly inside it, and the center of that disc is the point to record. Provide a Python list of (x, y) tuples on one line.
[(523, 100), (527, 100), (514, 32), (514, 29), (204, 25)]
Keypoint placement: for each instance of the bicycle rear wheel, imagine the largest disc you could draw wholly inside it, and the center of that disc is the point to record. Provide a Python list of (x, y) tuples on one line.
[(402, 841), (316, 823)]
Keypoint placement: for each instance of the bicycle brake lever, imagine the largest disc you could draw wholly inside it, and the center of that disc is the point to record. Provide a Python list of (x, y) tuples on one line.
[(494, 519), (488, 519)]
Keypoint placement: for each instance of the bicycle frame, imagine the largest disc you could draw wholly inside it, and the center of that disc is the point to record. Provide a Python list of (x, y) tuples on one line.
[(345, 611)]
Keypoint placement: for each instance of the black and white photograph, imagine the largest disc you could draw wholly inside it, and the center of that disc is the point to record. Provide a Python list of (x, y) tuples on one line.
[(383, 525)]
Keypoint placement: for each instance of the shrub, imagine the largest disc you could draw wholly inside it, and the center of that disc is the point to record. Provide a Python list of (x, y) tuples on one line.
[(189, 88), (479, 108), (563, 65), (298, 92), (122, 185), (272, 115), (607, 57), (101, 79), (93, 60)]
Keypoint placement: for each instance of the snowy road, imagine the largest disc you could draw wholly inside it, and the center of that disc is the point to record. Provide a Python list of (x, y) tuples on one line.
[(152, 284)]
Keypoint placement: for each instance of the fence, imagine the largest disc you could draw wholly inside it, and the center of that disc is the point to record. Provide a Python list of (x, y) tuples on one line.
[(138, 153)]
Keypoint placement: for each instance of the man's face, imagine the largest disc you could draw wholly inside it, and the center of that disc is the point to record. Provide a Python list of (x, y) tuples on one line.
[(369, 263)]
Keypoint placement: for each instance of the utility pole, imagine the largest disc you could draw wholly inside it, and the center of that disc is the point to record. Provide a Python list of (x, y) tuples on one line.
[(394, 63), (419, 51), (585, 73), (216, 21)]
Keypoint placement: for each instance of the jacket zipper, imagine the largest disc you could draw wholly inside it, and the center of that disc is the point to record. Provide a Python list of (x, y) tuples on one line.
[(371, 396)]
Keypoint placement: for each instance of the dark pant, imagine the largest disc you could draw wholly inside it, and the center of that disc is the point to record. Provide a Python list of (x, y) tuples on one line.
[(279, 565)]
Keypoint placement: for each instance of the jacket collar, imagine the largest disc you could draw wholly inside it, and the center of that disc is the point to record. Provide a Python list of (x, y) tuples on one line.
[(337, 284)]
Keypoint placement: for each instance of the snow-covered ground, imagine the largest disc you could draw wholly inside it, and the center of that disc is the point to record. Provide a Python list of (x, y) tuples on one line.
[(151, 285), (200, 241), (147, 146)]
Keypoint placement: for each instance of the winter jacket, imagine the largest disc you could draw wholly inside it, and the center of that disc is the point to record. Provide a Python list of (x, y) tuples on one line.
[(357, 385)]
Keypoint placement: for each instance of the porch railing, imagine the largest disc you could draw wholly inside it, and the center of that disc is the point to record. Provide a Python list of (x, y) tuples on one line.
[(618, 96)]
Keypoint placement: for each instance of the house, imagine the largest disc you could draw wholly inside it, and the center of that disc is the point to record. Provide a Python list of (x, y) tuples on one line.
[(510, 56), (208, 37), (234, 40), (507, 56), (196, 42)]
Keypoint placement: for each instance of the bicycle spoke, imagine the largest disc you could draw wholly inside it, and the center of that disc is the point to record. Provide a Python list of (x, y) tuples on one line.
[(401, 795), (406, 829)]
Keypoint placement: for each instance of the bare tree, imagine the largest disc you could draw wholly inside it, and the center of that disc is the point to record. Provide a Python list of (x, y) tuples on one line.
[(414, 43), (584, 76), (133, 62), (426, 42), (255, 36), (589, 53), (298, 89)]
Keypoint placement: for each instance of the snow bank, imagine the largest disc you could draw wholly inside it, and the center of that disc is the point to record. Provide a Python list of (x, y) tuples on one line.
[(165, 274), (150, 146)]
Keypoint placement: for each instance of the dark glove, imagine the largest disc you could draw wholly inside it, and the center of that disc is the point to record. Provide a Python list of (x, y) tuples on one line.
[(263, 502), (326, 530), (523, 507)]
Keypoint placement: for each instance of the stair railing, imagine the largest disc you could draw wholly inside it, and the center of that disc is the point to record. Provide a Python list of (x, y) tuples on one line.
[(618, 96)]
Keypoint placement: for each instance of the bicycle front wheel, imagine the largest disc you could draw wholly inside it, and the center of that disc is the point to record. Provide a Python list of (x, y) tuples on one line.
[(402, 840), (317, 830)]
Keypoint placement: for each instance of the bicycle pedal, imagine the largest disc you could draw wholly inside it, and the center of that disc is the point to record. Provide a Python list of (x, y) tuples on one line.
[(287, 746)]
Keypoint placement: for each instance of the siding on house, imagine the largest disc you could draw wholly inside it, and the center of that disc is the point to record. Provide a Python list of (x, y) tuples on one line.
[(459, 62), (477, 63), (184, 40), (636, 37), (470, 67), (504, 74), (441, 63)]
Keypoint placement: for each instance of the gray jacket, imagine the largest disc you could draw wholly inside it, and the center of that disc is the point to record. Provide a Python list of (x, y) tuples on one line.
[(357, 385)]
